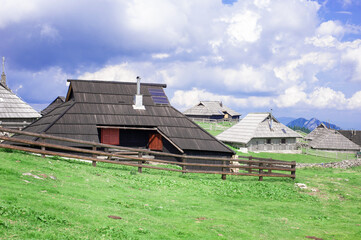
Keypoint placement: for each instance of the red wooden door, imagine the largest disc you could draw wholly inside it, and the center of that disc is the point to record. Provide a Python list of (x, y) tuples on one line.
[(110, 136), (155, 142)]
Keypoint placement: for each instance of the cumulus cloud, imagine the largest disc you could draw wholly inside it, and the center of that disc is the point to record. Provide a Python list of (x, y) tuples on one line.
[(319, 98), (120, 72), (291, 97), (185, 99), (13, 11), (355, 101), (244, 27), (352, 57), (330, 28)]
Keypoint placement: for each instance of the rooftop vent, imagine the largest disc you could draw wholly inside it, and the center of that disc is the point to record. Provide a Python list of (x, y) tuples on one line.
[(138, 98)]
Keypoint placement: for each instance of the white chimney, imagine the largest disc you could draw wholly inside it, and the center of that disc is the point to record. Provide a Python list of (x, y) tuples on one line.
[(138, 98)]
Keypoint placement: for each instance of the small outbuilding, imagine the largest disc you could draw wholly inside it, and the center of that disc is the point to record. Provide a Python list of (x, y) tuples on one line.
[(260, 132), (353, 135), (211, 110), (126, 114), (323, 138), (14, 112)]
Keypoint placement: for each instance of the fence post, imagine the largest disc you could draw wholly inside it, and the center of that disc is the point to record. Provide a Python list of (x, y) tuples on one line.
[(249, 164), (224, 176), (260, 171), (293, 172), (270, 165), (184, 167), (42, 147), (94, 163), (140, 170)]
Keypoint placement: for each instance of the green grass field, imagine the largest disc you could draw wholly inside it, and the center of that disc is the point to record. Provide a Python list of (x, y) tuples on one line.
[(215, 128), (73, 201)]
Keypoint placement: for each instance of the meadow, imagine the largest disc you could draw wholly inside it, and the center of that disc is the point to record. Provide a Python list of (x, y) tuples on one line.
[(73, 200)]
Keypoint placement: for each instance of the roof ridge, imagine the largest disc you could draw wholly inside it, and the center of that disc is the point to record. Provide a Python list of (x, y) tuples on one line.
[(60, 115)]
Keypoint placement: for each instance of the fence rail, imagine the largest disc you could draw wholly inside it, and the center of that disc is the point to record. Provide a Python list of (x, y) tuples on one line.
[(330, 154), (251, 166)]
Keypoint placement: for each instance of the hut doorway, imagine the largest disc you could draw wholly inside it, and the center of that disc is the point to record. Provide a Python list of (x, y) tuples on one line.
[(148, 138), (155, 142), (109, 136)]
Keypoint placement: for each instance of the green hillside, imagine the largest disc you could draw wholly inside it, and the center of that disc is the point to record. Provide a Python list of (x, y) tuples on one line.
[(73, 200)]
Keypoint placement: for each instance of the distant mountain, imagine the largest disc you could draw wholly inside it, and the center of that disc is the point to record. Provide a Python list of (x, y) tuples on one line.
[(299, 122), (310, 124), (285, 120)]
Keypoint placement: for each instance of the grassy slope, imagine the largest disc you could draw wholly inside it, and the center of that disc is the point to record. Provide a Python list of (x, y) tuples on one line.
[(162, 205)]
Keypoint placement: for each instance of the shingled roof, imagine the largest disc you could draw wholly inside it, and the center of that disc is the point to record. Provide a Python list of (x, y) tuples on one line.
[(330, 139), (57, 102), (256, 125), (102, 103), (333, 140), (13, 108), (210, 108), (353, 135), (318, 131)]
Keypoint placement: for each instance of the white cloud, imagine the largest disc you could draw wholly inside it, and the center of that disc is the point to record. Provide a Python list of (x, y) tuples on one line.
[(352, 56), (324, 97), (49, 32), (160, 55), (244, 27), (319, 98), (355, 101), (13, 11), (120, 72), (262, 3), (291, 97), (186, 99), (330, 28)]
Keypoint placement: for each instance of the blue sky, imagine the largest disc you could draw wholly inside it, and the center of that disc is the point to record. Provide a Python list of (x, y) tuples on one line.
[(300, 58)]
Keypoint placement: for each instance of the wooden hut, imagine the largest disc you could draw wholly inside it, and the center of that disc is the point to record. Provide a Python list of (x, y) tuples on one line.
[(127, 114), (211, 110), (14, 112), (260, 132), (57, 102), (323, 138), (353, 135)]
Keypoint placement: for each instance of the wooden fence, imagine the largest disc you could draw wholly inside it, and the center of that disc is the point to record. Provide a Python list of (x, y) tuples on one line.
[(339, 155), (244, 166)]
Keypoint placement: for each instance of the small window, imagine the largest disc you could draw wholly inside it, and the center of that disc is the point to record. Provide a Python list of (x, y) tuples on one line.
[(269, 141), (283, 140)]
